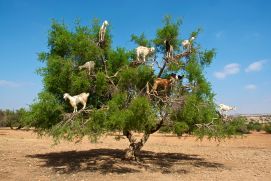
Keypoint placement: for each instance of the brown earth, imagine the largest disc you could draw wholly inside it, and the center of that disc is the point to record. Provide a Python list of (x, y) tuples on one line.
[(23, 156)]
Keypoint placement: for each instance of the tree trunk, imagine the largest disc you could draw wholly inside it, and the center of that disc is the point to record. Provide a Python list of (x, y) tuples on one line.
[(132, 153)]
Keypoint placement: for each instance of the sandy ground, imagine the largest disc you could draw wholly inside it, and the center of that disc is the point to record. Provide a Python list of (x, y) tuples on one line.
[(24, 156)]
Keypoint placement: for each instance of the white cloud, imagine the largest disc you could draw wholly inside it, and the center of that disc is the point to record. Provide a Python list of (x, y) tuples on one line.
[(220, 75), (251, 87), (229, 69), (12, 84), (255, 66)]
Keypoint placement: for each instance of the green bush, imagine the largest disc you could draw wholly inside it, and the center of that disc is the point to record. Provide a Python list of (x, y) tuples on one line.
[(165, 129), (180, 128), (44, 113), (10, 118), (238, 125), (267, 128), (254, 126)]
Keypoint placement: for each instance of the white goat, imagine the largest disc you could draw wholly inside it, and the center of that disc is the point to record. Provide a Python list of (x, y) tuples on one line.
[(169, 49), (224, 108), (89, 66), (144, 51), (187, 43), (102, 31), (74, 100)]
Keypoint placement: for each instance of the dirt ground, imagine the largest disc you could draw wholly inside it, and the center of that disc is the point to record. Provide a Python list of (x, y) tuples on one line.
[(24, 156)]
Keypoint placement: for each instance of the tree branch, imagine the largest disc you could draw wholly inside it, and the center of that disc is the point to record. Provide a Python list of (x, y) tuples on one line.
[(162, 69), (157, 127)]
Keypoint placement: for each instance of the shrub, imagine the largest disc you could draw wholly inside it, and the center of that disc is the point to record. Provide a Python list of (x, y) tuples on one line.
[(254, 126), (180, 128), (237, 125), (267, 128)]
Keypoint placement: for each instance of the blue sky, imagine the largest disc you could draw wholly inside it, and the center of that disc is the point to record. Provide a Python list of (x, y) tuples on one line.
[(238, 29)]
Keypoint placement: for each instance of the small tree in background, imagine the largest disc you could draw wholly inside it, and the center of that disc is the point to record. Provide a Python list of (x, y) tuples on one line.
[(11, 118), (121, 98)]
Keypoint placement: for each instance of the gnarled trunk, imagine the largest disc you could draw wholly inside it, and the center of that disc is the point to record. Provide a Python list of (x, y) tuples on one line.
[(132, 153)]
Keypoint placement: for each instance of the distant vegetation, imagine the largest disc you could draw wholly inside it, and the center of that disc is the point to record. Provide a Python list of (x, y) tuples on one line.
[(267, 128), (241, 125), (11, 118)]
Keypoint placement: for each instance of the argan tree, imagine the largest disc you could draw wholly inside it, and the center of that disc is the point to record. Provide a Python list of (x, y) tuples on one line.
[(122, 99)]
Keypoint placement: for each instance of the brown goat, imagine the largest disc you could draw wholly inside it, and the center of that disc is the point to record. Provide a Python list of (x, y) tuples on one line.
[(165, 83)]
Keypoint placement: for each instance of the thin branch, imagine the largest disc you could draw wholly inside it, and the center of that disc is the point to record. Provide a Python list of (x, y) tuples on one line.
[(162, 69), (209, 125), (136, 63), (181, 55), (158, 65), (158, 125)]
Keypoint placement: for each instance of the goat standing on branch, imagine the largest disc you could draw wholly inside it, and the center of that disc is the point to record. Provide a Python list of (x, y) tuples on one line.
[(103, 31), (143, 51), (188, 43), (165, 83), (169, 49), (89, 66), (74, 100), (224, 108)]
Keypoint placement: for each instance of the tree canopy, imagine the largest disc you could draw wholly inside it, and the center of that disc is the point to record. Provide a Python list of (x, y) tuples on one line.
[(121, 89)]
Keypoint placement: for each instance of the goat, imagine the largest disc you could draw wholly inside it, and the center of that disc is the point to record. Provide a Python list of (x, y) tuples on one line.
[(74, 100), (144, 51), (224, 108), (169, 49), (89, 66), (165, 83), (102, 31), (187, 43)]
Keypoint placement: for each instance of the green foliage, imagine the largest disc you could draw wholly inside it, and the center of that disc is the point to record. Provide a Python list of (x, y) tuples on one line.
[(118, 58), (135, 78), (9, 118), (180, 128), (57, 75), (127, 78), (237, 125), (143, 116), (165, 129), (95, 127), (138, 116), (195, 76), (117, 113), (170, 32), (80, 83), (220, 129), (206, 57), (195, 111), (140, 40), (59, 40), (254, 126), (267, 128), (101, 84), (45, 112)]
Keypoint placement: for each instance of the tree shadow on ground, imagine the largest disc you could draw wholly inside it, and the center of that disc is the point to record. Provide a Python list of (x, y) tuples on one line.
[(112, 161)]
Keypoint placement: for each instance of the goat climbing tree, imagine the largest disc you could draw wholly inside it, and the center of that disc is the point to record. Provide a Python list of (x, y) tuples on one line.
[(121, 97)]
